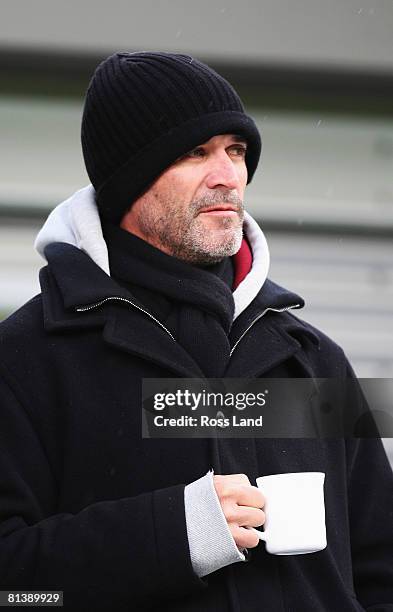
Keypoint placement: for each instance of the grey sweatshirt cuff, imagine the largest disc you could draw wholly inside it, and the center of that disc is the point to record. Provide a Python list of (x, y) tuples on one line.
[(210, 540)]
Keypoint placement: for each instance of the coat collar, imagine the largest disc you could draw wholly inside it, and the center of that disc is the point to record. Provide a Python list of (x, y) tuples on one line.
[(72, 280), (277, 334)]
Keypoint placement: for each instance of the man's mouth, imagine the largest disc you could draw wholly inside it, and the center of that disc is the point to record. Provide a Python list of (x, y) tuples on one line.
[(220, 210)]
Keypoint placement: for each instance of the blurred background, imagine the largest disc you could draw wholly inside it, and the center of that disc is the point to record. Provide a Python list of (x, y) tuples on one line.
[(318, 78)]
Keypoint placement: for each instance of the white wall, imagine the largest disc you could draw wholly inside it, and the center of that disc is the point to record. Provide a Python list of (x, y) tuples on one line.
[(340, 33)]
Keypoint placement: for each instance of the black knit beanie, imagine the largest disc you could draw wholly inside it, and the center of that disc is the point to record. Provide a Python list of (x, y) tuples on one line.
[(143, 111)]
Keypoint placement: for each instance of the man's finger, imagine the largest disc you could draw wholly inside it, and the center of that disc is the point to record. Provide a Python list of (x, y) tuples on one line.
[(250, 496), (246, 516), (244, 538)]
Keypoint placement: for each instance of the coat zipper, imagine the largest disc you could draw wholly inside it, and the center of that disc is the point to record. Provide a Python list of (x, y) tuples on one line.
[(120, 299), (261, 314)]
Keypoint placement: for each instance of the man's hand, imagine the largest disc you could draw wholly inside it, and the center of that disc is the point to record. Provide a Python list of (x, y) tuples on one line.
[(242, 506)]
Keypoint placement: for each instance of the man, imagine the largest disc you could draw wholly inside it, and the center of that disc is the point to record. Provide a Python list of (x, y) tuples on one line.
[(149, 275)]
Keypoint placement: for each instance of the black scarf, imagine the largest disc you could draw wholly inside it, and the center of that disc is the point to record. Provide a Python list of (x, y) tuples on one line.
[(194, 303)]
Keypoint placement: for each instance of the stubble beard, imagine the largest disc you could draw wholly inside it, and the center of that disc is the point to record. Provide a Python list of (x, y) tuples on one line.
[(182, 233)]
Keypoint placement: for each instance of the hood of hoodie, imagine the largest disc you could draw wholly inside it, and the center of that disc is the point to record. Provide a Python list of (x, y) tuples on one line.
[(76, 221)]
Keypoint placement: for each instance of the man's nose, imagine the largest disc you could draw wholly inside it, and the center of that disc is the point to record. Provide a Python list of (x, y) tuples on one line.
[(222, 173)]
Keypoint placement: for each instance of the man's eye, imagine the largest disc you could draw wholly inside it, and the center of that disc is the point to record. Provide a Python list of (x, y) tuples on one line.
[(239, 150), (196, 153)]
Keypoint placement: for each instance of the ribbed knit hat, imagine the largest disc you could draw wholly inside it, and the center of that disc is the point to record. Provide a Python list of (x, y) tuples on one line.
[(143, 111)]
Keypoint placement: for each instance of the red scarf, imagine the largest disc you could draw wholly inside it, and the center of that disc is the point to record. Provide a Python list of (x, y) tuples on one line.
[(242, 263)]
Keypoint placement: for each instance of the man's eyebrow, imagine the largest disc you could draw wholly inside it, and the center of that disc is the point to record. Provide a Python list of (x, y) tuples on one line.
[(238, 138)]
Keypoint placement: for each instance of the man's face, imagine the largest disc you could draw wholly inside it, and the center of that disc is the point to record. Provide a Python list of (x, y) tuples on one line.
[(194, 210)]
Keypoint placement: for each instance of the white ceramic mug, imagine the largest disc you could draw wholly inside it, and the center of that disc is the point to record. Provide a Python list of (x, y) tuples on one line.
[(295, 513)]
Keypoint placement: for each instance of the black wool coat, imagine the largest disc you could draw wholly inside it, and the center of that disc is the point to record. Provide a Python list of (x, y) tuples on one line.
[(89, 507)]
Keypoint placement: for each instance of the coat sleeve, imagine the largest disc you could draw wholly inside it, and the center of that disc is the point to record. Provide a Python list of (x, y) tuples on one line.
[(370, 498), (116, 554)]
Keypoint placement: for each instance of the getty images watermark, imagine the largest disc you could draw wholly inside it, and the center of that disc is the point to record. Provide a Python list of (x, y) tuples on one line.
[(266, 408), (193, 401)]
